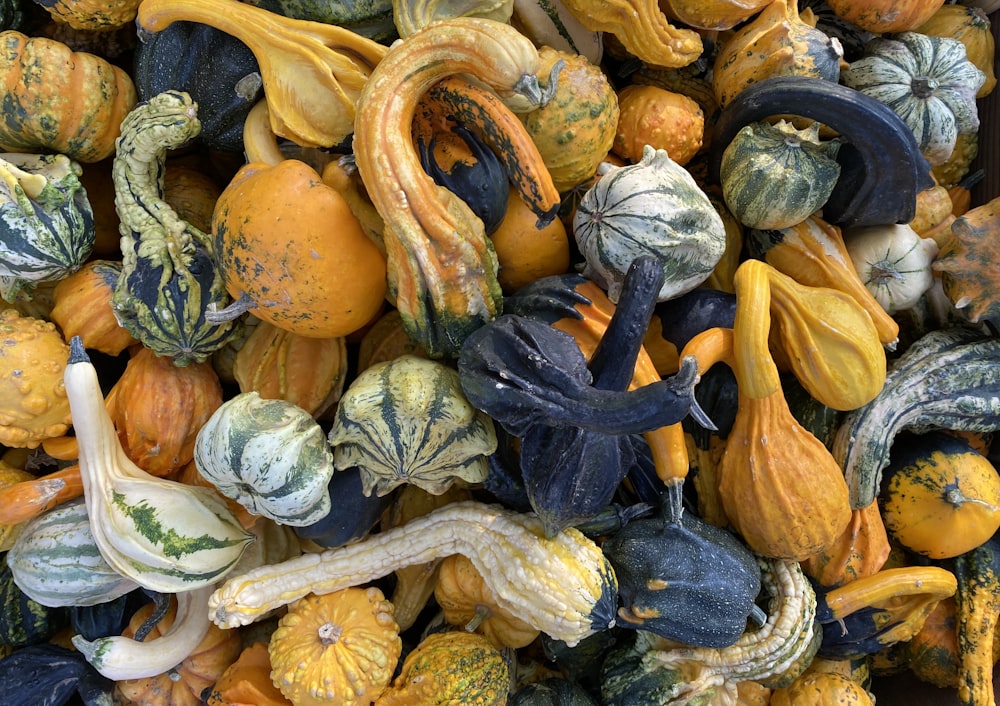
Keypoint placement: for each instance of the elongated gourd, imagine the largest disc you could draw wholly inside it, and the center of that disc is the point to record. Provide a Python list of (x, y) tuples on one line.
[(563, 585), (442, 270), (977, 607)]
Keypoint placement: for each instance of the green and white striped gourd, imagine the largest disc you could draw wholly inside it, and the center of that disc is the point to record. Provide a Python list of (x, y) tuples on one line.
[(165, 536), (46, 222), (651, 207), (928, 81), (56, 562), (407, 420), (270, 456)]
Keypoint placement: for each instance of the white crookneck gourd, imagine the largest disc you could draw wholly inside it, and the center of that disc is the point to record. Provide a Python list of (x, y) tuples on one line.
[(563, 586), (119, 658), (165, 536)]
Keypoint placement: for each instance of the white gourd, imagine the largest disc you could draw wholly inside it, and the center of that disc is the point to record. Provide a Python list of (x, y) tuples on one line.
[(894, 263)]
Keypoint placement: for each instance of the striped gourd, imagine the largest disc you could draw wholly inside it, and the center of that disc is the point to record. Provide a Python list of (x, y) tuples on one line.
[(947, 379), (46, 222), (56, 562), (654, 207), (268, 455)]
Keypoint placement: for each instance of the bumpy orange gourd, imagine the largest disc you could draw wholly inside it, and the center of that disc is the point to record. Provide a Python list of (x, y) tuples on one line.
[(651, 115), (290, 244)]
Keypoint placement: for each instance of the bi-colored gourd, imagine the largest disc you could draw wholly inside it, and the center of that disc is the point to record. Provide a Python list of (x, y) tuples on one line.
[(977, 607), (564, 586), (961, 262), (886, 15)]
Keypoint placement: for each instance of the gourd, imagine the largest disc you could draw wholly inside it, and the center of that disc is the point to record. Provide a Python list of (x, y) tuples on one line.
[(563, 586), (960, 263), (247, 681), (164, 535), (56, 562), (971, 27), (407, 420), (268, 455), (642, 28), (82, 307), (335, 649), (46, 222), (651, 207), (551, 24), (893, 262), (34, 406), (880, 174), (977, 606), (355, 516), (312, 72), (217, 70), (158, 409), (277, 364), (714, 15), (441, 268), (101, 15), (962, 364), (940, 497), (290, 287), (454, 666), (861, 550), (650, 115), (551, 691), (822, 688), (168, 276), (30, 497), (98, 96), (777, 42), (927, 81), (410, 17), (57, 672), (575, 128), (525, 252), (467, 603), (674, 567), (932, 654), (885, 16), (775, 176), (24, 621)]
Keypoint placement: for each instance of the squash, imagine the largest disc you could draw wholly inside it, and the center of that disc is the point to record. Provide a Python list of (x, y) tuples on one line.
[(777, 42), (879, 176), (158, 409), (51, 672), (102, 15), (575, 128), (48, 224), (370, 19), (183, 683), (940, 498), (682, 578), (392, 414), (655, 207), (551, 691), (335, 649), (82, 307), (818, 688), (775, 176), (83, 127), (56, 562), (713, 15), (312, 72), (199, 59), (884, 15), (34, 406), (525, 252), (641, 28), (355, 515), (410, 17), (467, 603), (28, 498), (650, 115), (291, 287), (967, 283), (441, 268), (861, 550), (168, 278), (932, 654), (962, 364), (893, 262), (927, 81), (977, 603), (564, 586), (268, 455), (247, 681), (971, 27), (551, 24), (164, 535)]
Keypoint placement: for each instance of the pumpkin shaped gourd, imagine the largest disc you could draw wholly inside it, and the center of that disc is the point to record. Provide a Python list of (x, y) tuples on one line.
[(329, 284), (82, 307), (336, 649), (886, 15), (970, 26), (525, 251)]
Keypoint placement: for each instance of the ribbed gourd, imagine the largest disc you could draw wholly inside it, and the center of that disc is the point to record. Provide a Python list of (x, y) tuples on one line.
[(651, 207)]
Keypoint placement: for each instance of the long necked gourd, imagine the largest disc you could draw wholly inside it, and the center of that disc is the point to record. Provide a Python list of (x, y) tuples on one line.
[(563, 585)]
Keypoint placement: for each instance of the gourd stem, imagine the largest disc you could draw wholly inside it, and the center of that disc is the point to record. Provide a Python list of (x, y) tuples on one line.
[(955, 496), (237, 308), (482, 613)]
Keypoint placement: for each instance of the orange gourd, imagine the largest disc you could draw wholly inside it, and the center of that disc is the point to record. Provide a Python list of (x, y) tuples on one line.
[(651, 115), (526, 252), (82, 307), (886, 15), (247, 681)]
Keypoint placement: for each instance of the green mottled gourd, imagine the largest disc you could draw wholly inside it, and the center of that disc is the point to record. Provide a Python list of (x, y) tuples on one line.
[(651, 207), (270, 456), (165, 536), (168, 277), (562, 585)]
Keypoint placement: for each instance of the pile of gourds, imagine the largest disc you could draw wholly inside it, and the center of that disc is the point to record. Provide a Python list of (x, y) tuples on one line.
[(496, 352)]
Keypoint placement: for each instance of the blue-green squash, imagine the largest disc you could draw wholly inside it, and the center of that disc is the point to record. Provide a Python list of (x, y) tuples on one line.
[(551, 692), (354, 515), (51, 675)]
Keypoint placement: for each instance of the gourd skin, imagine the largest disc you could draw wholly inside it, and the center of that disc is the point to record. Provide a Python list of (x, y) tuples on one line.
[(82, 307), (966, 278)]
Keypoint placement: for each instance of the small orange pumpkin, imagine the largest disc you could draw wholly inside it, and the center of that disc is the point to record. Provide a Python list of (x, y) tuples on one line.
[(651, 115), (526, 252)]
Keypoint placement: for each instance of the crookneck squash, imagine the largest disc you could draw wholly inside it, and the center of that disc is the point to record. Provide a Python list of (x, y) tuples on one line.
[(977, 607)]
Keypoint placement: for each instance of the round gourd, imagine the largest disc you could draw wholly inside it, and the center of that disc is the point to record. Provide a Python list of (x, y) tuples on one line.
[(82, 307), (940, 497), (654, 207), (654, 116), (526, 252), (268, 455), (821, 689), (932, 654), (336, 649), (886, 15), (971, 27), (775, 176)]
